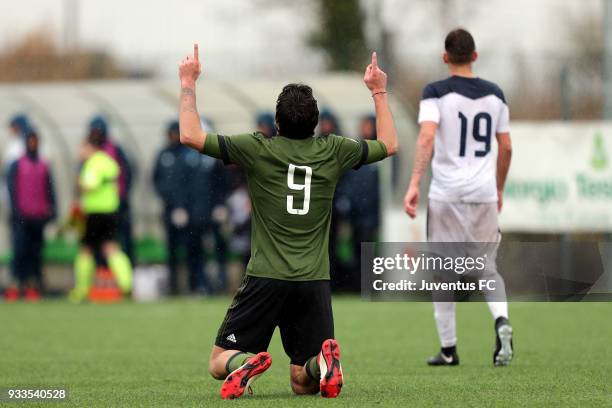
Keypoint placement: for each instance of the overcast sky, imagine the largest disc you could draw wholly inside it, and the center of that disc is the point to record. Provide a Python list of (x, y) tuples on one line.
[(266, 37)]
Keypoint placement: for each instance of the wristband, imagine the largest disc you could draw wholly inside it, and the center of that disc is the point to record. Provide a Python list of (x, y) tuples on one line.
[(378, 93)]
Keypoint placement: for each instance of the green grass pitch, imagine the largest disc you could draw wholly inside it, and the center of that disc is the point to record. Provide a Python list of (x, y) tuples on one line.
[(155, 355)]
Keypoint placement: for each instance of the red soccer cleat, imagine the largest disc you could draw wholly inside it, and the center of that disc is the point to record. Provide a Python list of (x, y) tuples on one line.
[(331, 370), (32, 295), (11, 295), (242, 377)]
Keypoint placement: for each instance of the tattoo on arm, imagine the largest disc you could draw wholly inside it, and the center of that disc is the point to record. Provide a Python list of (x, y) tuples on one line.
[(188, 100), (424, 152), (421, 161), (192, 134)]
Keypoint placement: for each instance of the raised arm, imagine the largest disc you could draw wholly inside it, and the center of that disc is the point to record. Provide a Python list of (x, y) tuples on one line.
[(422, 157), (376, 81), (192, 134), (504, 155)]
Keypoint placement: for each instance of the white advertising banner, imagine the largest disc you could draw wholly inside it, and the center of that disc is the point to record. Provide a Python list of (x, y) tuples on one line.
[(560, 178)]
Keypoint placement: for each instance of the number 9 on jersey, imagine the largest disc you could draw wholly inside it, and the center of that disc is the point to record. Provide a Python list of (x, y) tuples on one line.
[(299, 187)]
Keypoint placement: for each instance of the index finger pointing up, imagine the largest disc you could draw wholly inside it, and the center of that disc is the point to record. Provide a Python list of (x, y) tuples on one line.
[(196, 52), (374, 60)]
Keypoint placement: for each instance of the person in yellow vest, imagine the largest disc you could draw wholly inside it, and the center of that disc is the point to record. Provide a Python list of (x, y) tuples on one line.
[(99, 200)]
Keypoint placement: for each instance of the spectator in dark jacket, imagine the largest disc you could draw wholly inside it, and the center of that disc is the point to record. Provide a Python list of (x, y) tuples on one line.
[(266, 124), (208, 191), (13, 150), (32, 200), (362, 189), (170, 178), (339, 267)]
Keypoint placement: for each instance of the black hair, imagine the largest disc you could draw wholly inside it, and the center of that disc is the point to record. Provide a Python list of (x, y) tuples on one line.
[(31, 135), (459, 45), (173, 127), (96, 139), (297, 113)]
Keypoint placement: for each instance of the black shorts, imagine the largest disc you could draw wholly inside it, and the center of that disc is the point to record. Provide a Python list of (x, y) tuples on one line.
[(100, 228), (302, 311)]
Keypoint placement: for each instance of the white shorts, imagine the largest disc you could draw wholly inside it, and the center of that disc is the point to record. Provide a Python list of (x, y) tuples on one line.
[(470, 229), (462, 222)]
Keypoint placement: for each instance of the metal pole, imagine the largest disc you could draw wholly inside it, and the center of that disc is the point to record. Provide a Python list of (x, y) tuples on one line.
[(607, 96), (607, 59), (71, 24)]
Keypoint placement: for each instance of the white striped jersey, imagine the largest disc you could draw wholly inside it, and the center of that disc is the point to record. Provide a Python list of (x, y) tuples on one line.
[(469, 113)]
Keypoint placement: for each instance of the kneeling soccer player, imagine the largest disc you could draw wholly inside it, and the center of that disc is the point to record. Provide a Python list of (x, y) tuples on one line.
[(291, 179)]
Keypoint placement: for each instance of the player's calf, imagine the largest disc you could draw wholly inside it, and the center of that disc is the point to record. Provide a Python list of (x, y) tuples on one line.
[(299, 387), (221, 361), (215, 371), (304, 379)]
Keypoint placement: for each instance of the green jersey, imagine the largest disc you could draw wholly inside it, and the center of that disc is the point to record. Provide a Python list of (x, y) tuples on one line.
[(291, 183), (98, 179)]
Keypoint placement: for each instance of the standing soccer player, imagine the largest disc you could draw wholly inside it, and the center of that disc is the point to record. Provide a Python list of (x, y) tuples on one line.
[(459, 116), (99, 196), (291, 180)]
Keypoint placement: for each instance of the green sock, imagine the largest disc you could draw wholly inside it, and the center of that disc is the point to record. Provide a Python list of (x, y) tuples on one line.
[(84, 269), (312, 368), (237, 360), (120, 266)]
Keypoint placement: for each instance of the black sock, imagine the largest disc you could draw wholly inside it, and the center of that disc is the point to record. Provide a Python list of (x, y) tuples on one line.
[(449, 351), (500, 320)]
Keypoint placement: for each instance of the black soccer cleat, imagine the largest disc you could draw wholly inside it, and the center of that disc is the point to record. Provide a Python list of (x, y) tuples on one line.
[(442, 359), (504, 348)]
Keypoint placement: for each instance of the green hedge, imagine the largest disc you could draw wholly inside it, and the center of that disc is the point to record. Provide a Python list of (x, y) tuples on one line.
[(60, 251), (148, 251)]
